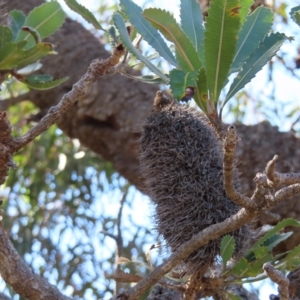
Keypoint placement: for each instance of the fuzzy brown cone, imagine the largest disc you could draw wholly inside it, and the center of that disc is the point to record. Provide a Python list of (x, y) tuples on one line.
[(109, 119)]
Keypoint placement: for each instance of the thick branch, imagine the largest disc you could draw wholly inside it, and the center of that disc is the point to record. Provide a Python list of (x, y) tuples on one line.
[(278, 278), (16, 273), (228, 167)]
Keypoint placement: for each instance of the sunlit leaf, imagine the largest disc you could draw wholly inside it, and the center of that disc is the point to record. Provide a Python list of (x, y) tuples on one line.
[(240, 268), (17, 20), (222, 27), (256, 61), (254, 30), (45, 19), (149, 34), (191, 24), (227, 249), (122, 260), (245, 9), (84, 12), (186, 55), (276, 239), (179, 80), (120, 24)]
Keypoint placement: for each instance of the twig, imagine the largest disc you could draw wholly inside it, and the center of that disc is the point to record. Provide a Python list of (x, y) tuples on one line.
[(278, 278), (228, 166), (97, 68), (15, 272)]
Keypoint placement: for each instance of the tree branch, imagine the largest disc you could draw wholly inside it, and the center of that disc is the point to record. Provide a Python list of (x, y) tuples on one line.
[(278, 278), (20, 277)]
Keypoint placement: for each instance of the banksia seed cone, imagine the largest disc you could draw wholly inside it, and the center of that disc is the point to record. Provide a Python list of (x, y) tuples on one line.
[(181, 161)]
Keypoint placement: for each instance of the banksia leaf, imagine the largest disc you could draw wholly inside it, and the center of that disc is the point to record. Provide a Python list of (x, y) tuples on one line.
[(149, 34), (17, 20), (240, 268), (295, 14), (45, 19), (254, 30), (149, 79), (256, 61), (6, 35), (35, 53), (191, 24), (262, 255), (186, 55), (227, 249), (232, 296), (201, 92), (10, 56), (245, 9), (120, 24), (84, 12), (282, 224), (222, 27), (42, 82), (179, 80), (276, 239)]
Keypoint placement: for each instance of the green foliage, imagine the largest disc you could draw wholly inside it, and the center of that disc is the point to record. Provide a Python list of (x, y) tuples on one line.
[(186, 54), (149, 34), (258, 58), (227, 249), (21, 44), (84, 12), (120, 24), (231, 41), (222, 27), (261, 252), (180, 79), (295, 14)]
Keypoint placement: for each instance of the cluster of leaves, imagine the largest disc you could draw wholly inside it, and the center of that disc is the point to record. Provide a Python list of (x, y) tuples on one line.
[(249, 268), (21, 45), (231, 42)]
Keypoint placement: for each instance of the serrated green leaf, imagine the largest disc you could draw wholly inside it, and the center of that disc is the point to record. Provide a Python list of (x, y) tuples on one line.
[(227, 249), (35, 53), (293, 253), (245, 9), (6, 35), (295, 14), (240, 268), (17, 21), (262, 256), (149, 34), (201, 92), (38, 78), (276, 239), (282, 224), (256, 61), (186, 55), (179, 80), (232, 296), (10, 56), (191, 24), (254, 30), (45, 19), (149, 79), (84, 12), (120, 24), (220, 39), (43, 85)]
